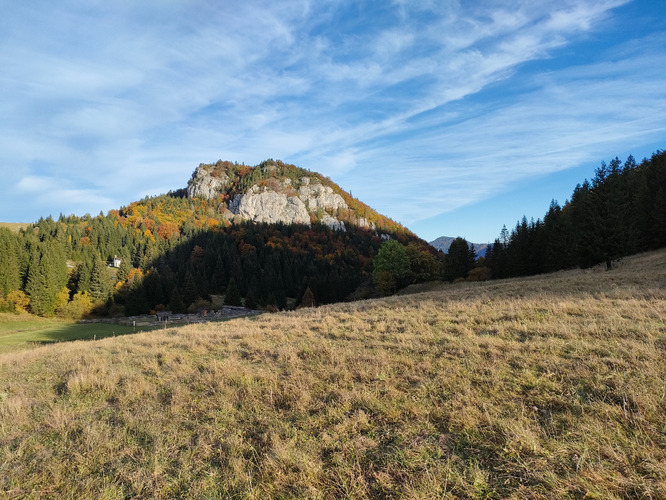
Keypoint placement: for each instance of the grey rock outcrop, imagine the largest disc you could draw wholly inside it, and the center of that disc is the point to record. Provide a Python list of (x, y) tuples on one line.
[(269, 206), (318, 196), (203, 183), (333, 223), (274, 200)]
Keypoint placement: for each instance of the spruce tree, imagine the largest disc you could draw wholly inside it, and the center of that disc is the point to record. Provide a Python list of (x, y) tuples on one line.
[(47, 275), (459, 260), (190, 291), (9, 263), (232, 295), (100, 284)]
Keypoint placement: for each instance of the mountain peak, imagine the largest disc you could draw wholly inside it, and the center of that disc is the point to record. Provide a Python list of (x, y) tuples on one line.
[(276, 192)]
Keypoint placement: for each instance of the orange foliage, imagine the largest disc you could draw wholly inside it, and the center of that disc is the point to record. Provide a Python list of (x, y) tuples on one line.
[(84, 241), (134, 273), (168, 229)]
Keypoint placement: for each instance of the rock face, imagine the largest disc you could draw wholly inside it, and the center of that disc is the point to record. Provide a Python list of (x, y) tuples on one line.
[(276, 193), (269, 206), (206, 183), (318, 196)]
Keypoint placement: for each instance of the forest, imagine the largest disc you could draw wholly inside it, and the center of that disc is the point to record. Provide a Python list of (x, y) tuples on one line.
[(175, 253), (620, 212)]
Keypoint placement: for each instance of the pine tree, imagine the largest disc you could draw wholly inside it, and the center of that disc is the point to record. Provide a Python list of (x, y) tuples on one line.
[(250, 299), (100, 284), (308, 299), (47, 275), (9, 263), (190, 291), (459, 260), (124, 269), (176, 303), (232, 295)]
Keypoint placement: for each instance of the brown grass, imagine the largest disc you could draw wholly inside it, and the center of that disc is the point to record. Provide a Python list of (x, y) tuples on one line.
[(545, 387), (14, 226)]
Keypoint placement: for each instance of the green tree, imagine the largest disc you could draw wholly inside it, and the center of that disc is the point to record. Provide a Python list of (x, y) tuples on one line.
[(124, 269), (9, 262), (459, 260), (391, 267), (232, 296), (423, 265), (47, 275), (190, 291), (100, 283)]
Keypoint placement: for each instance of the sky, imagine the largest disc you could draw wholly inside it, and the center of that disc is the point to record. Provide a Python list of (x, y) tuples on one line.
[(450, 117)]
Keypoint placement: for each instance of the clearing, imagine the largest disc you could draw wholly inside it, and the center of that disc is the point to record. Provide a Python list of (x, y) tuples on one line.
[(546, 387)]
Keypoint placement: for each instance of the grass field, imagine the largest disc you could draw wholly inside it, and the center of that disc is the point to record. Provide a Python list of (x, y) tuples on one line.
[(547, 387), (25, 331), (14, 226)]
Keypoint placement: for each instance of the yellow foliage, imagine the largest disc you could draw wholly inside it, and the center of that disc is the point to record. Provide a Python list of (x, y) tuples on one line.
[(19, 300)]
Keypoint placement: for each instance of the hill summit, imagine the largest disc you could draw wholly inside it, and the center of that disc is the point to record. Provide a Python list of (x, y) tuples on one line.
[(276, 192)]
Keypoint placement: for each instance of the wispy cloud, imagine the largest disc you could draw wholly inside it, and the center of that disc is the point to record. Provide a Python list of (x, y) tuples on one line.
[(358, 90)]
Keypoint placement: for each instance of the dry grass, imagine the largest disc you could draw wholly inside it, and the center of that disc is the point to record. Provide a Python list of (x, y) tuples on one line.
[(14, 226), (546, 387)]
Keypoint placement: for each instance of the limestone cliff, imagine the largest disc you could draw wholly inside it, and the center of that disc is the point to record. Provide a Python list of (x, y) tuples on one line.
[(275, 192)]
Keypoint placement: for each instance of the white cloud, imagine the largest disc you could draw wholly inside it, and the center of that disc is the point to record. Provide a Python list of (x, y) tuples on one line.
[(148, 90)]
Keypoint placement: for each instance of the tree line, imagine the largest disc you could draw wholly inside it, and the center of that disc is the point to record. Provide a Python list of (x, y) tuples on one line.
[(619, 212), (175, 253)]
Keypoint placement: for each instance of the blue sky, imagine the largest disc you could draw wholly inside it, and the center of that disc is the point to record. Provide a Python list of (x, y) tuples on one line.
[(451, 117)]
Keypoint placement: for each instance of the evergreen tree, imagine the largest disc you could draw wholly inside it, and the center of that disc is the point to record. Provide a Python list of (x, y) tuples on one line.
[(232, 296), (124, 269), (47, 275), (176, 303), (308, 299), (250, 299), (190, 291), (100, 282), (10, 278), (459, 260)]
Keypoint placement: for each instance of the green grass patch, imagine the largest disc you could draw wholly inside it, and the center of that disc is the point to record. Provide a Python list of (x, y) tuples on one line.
[(25, 331)]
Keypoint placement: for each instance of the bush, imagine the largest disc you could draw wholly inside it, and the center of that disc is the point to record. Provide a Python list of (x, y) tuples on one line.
[(479, 274), (81, 305), (18, 301)]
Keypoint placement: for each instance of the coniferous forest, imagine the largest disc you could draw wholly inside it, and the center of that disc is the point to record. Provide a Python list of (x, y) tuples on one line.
[(175, 253), (621, 211)]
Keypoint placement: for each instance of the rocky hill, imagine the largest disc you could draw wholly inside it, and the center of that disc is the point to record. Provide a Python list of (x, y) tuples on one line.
[(275, 192)]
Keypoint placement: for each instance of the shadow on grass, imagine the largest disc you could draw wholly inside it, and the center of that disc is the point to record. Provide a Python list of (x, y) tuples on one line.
[(67, 332)]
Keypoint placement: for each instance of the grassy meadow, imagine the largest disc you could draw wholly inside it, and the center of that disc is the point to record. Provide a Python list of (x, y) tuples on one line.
[(545, 387), (25, 331)]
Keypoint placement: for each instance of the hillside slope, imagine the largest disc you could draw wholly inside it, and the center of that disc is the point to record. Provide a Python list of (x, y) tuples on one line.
[(277, 192), (541, 388), (259, 236)]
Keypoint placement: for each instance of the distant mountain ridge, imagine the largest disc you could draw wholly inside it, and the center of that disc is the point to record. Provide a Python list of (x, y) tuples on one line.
[(444, 242)]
